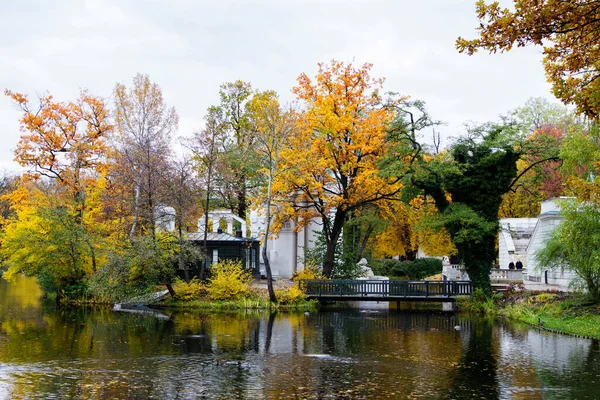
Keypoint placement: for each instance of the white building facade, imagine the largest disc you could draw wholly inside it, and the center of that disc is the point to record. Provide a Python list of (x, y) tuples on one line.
[(287, 252), (548, 220), (513, 240)]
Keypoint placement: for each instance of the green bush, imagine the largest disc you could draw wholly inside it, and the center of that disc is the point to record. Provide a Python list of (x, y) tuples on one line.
[(412, 270), (111, 283), (136, 270), (78, 290)]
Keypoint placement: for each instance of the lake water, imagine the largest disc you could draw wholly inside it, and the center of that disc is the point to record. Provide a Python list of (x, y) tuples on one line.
[(96, 353)]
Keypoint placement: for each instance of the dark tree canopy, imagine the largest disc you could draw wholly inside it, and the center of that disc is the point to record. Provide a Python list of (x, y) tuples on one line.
[(467, 185)]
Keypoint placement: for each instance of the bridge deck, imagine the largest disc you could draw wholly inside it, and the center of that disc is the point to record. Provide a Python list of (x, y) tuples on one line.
[(386, 290)]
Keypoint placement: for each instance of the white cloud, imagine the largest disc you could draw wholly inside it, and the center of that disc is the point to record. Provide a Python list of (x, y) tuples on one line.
[(191, 47)]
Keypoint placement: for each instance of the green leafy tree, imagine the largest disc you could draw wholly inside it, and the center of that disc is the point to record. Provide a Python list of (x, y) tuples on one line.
[(580, 153), (542, 128), (238, 163), (538, 112), (139, 267)]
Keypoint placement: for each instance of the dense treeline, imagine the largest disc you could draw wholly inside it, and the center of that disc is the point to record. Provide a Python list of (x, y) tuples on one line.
[(102, 181)]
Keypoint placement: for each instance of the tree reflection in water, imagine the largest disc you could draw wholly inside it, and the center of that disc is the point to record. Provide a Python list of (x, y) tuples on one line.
[(96, 353), (476, 375)]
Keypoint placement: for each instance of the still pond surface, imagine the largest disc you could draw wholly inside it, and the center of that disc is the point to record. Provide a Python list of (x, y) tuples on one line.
[(96, 353)]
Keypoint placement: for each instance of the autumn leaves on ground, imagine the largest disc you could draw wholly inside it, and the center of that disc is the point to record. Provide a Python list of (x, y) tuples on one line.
[(86, 216)]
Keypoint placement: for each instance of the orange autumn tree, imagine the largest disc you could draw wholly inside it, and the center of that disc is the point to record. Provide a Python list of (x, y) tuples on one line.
[(63, 142), (569, 32), (331, 167)]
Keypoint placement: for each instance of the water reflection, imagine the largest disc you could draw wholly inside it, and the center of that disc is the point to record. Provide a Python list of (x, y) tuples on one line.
[(98, 353)]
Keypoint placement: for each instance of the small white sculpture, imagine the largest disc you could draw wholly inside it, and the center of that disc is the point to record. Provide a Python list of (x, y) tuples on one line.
[(365, 271)]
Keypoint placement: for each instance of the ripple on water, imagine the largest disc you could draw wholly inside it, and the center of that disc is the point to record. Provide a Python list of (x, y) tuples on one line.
[(96, 354)]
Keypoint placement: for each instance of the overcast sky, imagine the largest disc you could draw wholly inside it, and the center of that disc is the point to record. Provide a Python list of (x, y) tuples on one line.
[(190, 47)]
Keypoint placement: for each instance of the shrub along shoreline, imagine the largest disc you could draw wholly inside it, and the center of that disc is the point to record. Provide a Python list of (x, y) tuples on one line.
[(566, 313), (230, 288)]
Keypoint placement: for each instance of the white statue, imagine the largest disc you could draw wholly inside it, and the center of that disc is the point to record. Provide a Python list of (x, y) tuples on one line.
[(365, 271)]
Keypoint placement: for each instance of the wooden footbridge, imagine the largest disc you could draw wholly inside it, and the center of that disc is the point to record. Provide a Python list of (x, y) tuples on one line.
[(386, 290)]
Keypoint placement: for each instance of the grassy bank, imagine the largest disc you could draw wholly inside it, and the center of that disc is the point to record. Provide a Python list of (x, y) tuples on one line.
[(568, 313), (240, 304)]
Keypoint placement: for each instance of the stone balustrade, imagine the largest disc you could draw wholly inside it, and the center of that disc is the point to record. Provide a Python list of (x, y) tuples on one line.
[(497, 275), (506, 275)]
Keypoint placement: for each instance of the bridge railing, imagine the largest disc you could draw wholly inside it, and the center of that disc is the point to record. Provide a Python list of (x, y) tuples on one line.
[(386, 288)]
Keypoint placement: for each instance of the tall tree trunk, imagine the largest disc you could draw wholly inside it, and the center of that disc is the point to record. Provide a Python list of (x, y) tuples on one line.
[(331, 239), (480, 276), (136, 206), (206, 206), (242, 200), (59, 296), (181, 263), (265, 256), (364, 241), (272, 296), (151, 216), (478, 264), (170, 289), (92, 254)]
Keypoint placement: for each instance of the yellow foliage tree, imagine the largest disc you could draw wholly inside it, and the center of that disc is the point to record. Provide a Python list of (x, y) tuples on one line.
[(272, 125), (44, 241), (55, 232), (330, 168), (402, 235)]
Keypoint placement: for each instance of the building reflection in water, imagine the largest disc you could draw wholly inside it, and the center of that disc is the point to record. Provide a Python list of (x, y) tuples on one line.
[(97, 353)]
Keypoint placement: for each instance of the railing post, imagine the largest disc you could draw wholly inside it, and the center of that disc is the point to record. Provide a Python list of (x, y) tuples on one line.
[(426, 288)]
